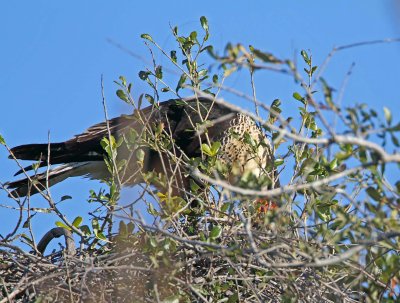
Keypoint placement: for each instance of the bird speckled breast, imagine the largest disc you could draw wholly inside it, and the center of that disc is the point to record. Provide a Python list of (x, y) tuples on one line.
[(236, 151)]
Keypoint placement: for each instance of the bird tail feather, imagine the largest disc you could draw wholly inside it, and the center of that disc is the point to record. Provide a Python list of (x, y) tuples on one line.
[(39, 182)]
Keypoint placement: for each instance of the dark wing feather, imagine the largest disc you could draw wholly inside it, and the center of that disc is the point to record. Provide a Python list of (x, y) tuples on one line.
[(180, 115)]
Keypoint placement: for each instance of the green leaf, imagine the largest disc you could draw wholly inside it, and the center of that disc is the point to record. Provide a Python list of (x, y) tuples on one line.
[(151, 100), (327, 93), (27, 239), (205, 148), (373, 193), (313, 69), (147, 37), (85, 229), (225, 206), (204, 23), (395, 128), (193, 36), (123, 80), (215, 79), (333, 164), (388, 115), (181, 81), (173, 56), (143, 75), (264, 56), (215, 147), (78, 220), (101, 236), (121, 95), (395, 141), (66, 197), (95, 225), (216, 232), (2, 141), (305, 57), (140, 155), (297, 96), (159, 73), (194, 187), (61, 224), (278, 162), (398, 186)]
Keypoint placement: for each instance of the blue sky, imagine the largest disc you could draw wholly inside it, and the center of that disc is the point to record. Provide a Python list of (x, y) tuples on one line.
[(53, 53)]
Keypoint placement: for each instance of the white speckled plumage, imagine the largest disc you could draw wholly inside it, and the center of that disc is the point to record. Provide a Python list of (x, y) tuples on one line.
[(240, 154)]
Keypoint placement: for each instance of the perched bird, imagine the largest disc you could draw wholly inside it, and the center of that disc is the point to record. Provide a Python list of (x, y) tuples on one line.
[(169, 136)]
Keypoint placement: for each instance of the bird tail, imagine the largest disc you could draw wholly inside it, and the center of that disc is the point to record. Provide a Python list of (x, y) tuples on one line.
[(37, 151), (39, 182)]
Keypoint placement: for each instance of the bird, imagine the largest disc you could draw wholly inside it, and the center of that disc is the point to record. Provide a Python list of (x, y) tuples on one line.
[(169, 135)]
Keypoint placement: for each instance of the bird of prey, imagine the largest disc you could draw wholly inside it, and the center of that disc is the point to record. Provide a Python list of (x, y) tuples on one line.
[(188, 123)]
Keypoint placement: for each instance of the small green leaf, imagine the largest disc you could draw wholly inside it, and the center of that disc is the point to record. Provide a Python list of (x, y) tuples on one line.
[(95, 225), (194, 187), (147, 37), (333, 164), (61, 224), (143, 75), (101, 236), (66, 197), (395, 128), (215, 79), (2, 141), (226, 206), (278, 162), (305, 57), (216, 232), (193, 36), (151, 100), (159, 73), (313, 69), (373, 193), (173, 56), (398, 186), (27, 239), (78, 220), (181, 81), (395, 140), (26, 223), (85, 229), (297, 96), (388, 115), (121, 95), (140, 155), (205, 148), (123, 80), (204, 23), (264, 56), (215, 147)]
